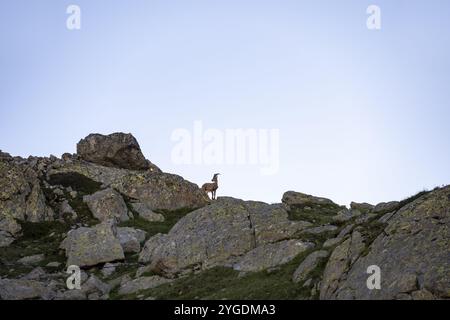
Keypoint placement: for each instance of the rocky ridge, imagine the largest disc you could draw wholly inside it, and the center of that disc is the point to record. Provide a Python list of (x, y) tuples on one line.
[(140, 233)]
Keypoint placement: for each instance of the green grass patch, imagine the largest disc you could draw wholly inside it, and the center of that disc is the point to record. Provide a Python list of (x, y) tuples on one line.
[(76, 181), (225, 283), (38, 238), (316, 214)]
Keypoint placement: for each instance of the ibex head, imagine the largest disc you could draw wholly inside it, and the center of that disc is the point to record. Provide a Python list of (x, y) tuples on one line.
[(215, 176)]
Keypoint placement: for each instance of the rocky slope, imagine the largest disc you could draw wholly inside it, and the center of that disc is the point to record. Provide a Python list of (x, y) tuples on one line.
[(140, 233)]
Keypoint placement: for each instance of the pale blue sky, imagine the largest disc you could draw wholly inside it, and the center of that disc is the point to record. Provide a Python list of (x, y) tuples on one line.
[(363, 115)]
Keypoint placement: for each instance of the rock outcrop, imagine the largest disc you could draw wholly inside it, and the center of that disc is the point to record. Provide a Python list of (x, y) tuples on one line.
[(412, 252), (115, 150), (133, 229), (158, 191), (90, 246), (217, 234), (106, 205)]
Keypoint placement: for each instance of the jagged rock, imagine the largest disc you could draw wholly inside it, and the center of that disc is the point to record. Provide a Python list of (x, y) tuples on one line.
[(386, 207), (386, 217), (65, 210), (331, 242), (19, 201), (91, 246), (308, 265), (271, 255), (21, 289), (115, 150), (361, 207), (346, 215), (32, 259), (9, 229), (37, 209), (146, 213), (143, 283), (211, 235), (130, 239), (67, 156), (339, 262), (365, 218), (95, 285), (298, 199), (107, 204), (5, 239), (412, 253), (158, 191), (339, 238), (345, 231)]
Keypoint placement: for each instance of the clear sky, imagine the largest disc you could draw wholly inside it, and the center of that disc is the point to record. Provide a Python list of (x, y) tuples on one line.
[(363, 115)]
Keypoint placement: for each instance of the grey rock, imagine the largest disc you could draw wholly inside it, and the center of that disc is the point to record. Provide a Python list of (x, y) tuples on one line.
[(321, 230), (115, 150), (32, 259), (158, 191), (386, 207), (143, 283), (108, 269), (95, 286), (340, 260), (346, 215), (130, 239), (91, 246), (308, 265), (331, 242), (412, 252), (271, 255), (211, 235), (146, 213), (362, 207), (53, 264), (107, 204), (292, 198), (21, 289), (66, 210)]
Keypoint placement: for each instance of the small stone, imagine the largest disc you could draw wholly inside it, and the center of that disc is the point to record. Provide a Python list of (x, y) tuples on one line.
[(32, 259)]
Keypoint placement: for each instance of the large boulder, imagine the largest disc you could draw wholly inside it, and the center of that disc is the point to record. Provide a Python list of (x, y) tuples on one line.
[(213, 235), (107, 204), (91, 246), (297, 199), (412, 252), (115, 150)]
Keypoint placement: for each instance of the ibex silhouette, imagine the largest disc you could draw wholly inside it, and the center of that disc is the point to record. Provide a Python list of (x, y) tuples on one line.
[(212, 187)]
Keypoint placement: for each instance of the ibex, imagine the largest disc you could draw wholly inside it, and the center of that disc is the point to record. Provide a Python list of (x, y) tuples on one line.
[(212, 187)]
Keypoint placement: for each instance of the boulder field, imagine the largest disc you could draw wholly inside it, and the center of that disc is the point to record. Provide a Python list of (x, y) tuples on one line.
[(136, 232)]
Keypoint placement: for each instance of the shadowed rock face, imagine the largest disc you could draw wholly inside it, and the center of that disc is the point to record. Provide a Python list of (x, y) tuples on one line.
[(115, 150)]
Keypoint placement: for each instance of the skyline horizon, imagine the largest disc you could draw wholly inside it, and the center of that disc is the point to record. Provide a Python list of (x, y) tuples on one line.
[(361, 114)]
